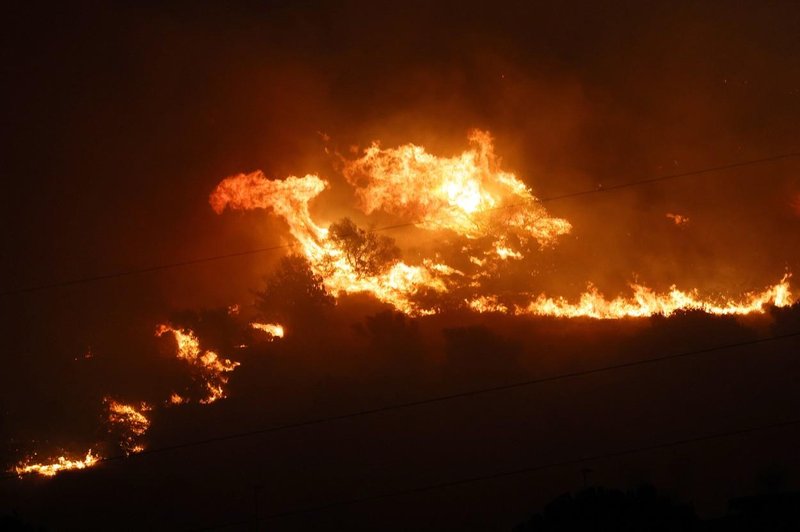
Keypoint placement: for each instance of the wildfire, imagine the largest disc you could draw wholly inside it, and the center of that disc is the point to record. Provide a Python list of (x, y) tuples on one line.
[(467, 193), (130, 422), (272, 329), (645, 302), (490, 217), (62, 463), (493, 213), (213, 369)]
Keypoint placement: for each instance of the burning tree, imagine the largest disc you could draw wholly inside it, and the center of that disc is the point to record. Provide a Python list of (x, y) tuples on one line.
[(368, 254)]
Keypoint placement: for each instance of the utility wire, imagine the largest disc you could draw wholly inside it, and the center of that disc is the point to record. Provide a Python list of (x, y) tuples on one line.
[(619, 186), (172, 265), (511, 473), (668, 177), (138, 271), (444, 398)]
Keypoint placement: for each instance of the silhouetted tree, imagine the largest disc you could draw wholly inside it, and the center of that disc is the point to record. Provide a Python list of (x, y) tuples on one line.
[(218, 328), (293, 292), (368, 253)]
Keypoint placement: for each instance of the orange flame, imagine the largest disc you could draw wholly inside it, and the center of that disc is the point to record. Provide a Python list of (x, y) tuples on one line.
[(130, 421), (463, 194), (272, 329), (57, 465), (212, 367), (289, 198), (468, 193), (645, 302), (492, 210), (176, 399)]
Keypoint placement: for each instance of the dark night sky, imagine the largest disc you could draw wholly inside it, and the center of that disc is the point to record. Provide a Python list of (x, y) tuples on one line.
[(118, 121)]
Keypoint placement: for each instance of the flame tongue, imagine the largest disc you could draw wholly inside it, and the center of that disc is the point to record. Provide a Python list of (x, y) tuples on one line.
[(288, 197), (274, 330)]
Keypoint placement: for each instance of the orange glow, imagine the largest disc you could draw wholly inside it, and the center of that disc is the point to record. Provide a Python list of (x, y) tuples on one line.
[(645, 302), (272, 329), (175, 399), (678, 219), (213, 368), (57, 465), (130, 421), (506, 253), (468, 193), (489, 212), (289, 198)]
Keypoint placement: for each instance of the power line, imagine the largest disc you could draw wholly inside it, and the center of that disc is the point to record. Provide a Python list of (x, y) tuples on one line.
[(513, 472), (620, 186), (447, 397), (190, 262), (675, 176), (138, 271), (470, 393)]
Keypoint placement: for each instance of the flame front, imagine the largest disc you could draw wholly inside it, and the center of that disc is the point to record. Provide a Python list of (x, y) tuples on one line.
[(57, 465), (645, 302), (213, 369)]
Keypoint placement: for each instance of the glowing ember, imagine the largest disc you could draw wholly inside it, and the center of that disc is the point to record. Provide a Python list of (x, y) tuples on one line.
[(175, 399), (212, 368), (130, 422), (678, 219), (272, 329), (62, 463)]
